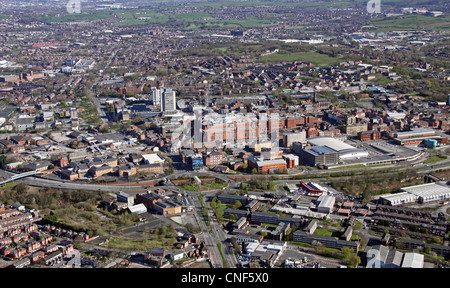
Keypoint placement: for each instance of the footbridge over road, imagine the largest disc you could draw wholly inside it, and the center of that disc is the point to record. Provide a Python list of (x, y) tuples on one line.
[(19, 176)]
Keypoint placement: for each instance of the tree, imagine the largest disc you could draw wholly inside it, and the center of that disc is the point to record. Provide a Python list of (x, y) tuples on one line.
[(236, 246), (437, 240), (237, 205), (21, 188), (346, 252), (219, 212), (354, 261), (5, 160)]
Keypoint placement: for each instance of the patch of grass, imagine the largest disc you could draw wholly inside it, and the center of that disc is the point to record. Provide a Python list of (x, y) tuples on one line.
[(411, 22), (132, 244), (217, 184), (190, 187), (435, 158), (7, 185), (89, 15)]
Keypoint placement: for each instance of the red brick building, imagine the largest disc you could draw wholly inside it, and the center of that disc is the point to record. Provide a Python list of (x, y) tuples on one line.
[(213, 159), (369, 135)]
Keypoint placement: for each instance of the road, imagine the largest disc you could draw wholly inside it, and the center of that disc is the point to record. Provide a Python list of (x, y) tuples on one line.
[(94, 98), (213, 233), (208, 238), (219, 234), (47, 183)]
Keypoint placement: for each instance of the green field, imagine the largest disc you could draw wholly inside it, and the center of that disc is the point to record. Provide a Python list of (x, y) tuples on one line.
[(132, 244), (84, 16), (327, 232), (410, 22), (312, 57), (435, 158)]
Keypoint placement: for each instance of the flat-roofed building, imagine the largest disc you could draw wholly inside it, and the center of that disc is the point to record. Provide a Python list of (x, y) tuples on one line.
[(138, 208), (249, 238), (10, 78), (152, 158), (231, 199), (271, 218), (290, 138), (230, 213), (167, 207), (125, 197), (267, 166), (414, 133), (292, 161), (319, 155), (330, 242)]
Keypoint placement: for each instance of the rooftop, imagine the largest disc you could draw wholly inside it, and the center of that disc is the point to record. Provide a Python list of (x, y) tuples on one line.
[(428, 189)]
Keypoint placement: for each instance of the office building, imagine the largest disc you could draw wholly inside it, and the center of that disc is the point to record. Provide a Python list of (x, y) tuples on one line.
[(319, 155), (168, 100)]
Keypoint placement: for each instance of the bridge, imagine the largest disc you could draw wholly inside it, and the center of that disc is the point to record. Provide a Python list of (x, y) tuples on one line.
[(19, 176), (429, 178)]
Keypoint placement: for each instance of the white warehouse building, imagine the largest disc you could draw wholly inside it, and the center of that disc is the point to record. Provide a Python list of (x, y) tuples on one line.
[(429, 192), (326, 204), (419, 193)]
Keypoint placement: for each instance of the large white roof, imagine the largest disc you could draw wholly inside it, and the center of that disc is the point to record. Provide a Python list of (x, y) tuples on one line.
[(153, 158), (346, 151), (428, 189), (330, 142), (399, 196), (413, 260)]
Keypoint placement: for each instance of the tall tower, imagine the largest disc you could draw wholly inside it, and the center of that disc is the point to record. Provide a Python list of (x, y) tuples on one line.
[(168, 100), (156, 96), (73, 113)]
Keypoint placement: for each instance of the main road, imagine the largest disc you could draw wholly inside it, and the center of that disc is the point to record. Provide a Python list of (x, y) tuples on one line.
[(209, 239), (92, 95)]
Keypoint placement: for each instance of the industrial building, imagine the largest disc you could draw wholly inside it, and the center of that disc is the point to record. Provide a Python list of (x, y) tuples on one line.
[(419, 193), (413, 260), (313, 189), (325, 204), (429, 192), (417, 137), (381, 256)]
